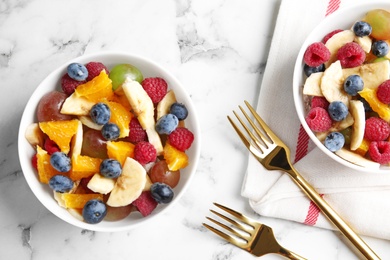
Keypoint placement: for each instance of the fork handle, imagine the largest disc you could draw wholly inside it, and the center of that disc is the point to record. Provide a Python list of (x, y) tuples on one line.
[(328, 211), (290, 255)]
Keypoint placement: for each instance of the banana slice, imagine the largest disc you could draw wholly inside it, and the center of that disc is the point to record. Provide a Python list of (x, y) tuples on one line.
[(373, 74), (75, 105), (356, 158), (365, 42), (143, 107), (34, 135), (165, 104), (77, 141), (129, 184), (332, 84), (357, 110), (101, 184), (312, 86), (337, 41), (87, 121)]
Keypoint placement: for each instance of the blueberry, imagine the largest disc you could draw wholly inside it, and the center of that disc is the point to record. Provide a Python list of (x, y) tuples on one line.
[(77, 71), (94, 211), (337, 110), (179, 110), (362, 29), (309, 70), (334, 141), (353, 84), (110, 168), (60, 162), (380, 48), (61, 183), (110, 131), (166, 124), (161, 192), (100, 113)]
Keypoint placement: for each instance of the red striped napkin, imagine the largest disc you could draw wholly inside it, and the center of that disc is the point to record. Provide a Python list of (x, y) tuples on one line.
[(359, 197)]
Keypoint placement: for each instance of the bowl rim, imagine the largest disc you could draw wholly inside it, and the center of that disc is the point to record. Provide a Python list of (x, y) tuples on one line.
[(298, 80), (31, 176)]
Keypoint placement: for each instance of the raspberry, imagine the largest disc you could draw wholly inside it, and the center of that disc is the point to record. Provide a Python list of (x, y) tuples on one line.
[(137, 133), (383, 92), (380, 152), (34, 161), (50, 146), (94, 69), (318, 119), (376, 129), (181, 138), (329, 35), (68, 84), (145, 203), (144, 152), (319, 102), (156, 88), (316, 54), (351, 55)]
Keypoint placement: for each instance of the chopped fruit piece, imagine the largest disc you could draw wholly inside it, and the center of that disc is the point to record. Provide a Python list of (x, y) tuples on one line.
[(77, 201), (380, 152), (84, 166), (120, 150), (45, 170), (175, 158), (363, 148), (383, 110), (61, 132), (97, 89), (145, 203), (121, 117)]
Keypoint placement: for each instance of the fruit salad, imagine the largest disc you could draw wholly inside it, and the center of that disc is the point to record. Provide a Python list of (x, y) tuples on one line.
[(347, 90), (110, 142)]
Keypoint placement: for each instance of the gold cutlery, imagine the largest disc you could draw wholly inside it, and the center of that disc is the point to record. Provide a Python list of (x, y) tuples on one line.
[(273, 154), (248, 234)]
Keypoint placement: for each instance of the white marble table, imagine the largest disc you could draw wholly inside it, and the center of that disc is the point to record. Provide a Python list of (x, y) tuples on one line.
[(218, 49)]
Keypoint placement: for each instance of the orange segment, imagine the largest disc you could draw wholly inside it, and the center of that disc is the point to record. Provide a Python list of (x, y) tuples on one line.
[(84, 166), (123, 101), (120, 150), (175, 158), (363, 148), (45, 170), (121, 117), (97, 89), (78, 201), (61, 132), (383, 110)]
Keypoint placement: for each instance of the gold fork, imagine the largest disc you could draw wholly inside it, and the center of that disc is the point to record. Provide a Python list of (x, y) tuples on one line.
[(248, 234), (273, 154)]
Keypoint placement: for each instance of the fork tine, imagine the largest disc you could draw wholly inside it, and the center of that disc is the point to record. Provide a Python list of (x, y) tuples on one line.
[(266, 128), (242, 137), (237, 224), (231, 239), (233, 231), (256, 129), (236, 214)]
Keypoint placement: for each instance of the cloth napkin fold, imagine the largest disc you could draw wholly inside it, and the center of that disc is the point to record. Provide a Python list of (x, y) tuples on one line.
[(362, 199)]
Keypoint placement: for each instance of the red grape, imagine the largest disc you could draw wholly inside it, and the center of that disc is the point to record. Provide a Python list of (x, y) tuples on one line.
[(118, 213), (50, 105), (160, 173), (94, 144)]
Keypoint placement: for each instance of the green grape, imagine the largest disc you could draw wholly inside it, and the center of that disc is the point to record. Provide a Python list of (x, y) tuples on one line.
[(120, 72), (380, 22)]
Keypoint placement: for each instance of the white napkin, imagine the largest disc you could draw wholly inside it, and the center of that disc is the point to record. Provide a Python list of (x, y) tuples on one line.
[(363, 199)]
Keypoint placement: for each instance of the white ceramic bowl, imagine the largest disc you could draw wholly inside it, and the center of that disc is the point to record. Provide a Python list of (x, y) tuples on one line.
[(52, 82), (341, 19)]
